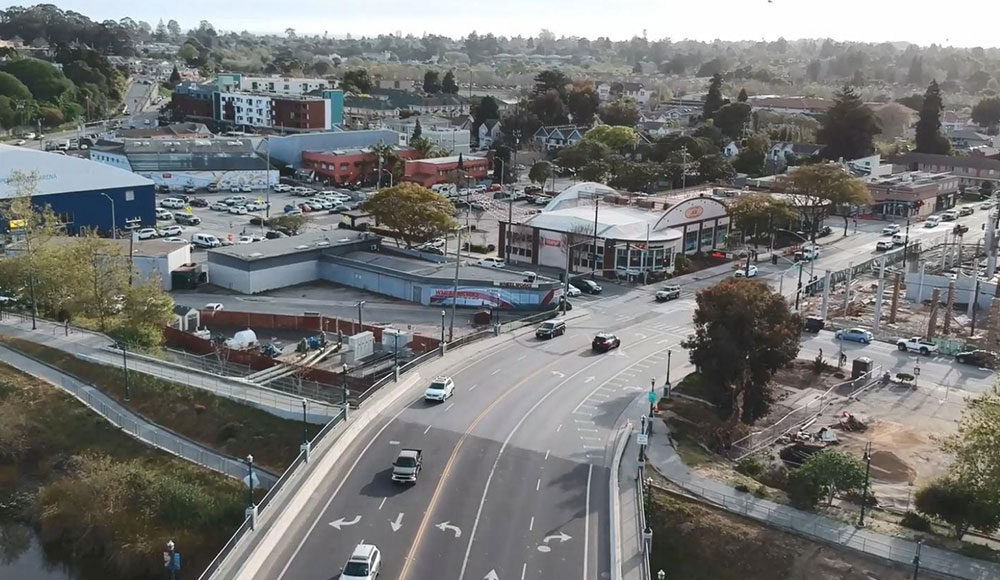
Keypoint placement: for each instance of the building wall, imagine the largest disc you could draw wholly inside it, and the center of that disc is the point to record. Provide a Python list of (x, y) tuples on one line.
[(428, 174), (283, 85), (262, 280), (90, 209), (299, 114), (192, 106), (222, 179), (335, 100), (243, 109), (113, 159), (289, 149)]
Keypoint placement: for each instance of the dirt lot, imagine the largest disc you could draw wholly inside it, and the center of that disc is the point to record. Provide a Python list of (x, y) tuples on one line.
[(692, 541)]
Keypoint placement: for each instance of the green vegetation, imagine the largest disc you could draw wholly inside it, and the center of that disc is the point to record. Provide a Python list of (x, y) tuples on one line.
[(416, 213), (218, 423), (824, 474), (102, 502)]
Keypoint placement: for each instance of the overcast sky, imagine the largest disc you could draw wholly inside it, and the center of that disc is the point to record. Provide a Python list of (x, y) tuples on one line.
[(956, 22)]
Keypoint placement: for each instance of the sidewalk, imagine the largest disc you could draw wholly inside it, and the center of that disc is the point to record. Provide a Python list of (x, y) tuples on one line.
[(662, 457), (93, 347), (133, 424)]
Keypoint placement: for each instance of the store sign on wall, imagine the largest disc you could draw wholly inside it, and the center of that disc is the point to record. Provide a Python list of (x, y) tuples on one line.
[(552, 242), (693, 212)]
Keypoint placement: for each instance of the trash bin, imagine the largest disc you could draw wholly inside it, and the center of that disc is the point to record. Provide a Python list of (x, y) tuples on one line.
[(774, 259), (862, 366)]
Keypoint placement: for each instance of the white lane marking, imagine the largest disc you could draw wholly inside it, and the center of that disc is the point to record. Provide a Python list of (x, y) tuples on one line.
[(446, 526), (586, 523), (589, 379), (546, 457), (448, 408), (584, 422), (394, 443), (427, 429), (538, 484), (473, 387), (340, 522), (559, 428), (336, 491), (524, 570), (585, 438), (523, 356), (495, 372), (383, 502), (559, 374), (531, 524), (397, 523), (588, 430)]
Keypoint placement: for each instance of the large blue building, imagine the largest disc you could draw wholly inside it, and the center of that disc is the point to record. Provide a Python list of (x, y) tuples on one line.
[(83, 193)]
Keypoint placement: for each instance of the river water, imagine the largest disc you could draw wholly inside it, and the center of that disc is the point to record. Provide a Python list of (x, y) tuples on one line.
[(22, 557)]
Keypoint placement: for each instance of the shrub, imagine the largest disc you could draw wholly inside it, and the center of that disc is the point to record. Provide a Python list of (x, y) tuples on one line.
[(978, 551), (681, 264), (761, 491), (775, 476), (915, 521), (819, 364), (229, 431), (750, 466), (742, 487)]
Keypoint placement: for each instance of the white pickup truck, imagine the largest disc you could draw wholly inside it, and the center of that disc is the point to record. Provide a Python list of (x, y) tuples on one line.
[(923, 346)]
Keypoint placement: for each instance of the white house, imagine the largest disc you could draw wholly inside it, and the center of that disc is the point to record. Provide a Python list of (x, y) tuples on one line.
[(730, 150), (635, 91), (780, 152), (489, 133), (559, 136)]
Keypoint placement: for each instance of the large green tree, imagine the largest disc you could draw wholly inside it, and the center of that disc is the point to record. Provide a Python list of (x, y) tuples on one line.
[(826, 473), (357, 81), (714, 168), (752, 157), (11, 86), (582, 103), (575, 157), (416, 213), (849, 128), (928, 131), (550, 108), (959, 504), (760, 214), (432, 82), (986, 113), (487, 108), (552, 80), (540, 172), (733, 120), (817, 190), (750, 327), (448, 84), (619, 112), (618, 138), (713, 100)]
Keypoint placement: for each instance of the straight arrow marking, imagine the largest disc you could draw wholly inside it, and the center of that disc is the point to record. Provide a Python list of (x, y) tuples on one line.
[(397, 523), (589, 379), (491, 576)]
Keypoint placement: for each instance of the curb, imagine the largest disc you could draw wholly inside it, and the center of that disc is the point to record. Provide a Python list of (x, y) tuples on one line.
[(616, 548)]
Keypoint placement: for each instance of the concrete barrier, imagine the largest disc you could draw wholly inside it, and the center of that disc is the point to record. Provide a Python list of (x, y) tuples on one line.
[(616, 462)]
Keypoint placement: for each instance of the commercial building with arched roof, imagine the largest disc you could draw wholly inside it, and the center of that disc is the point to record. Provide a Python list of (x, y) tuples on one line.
[(590, 226)]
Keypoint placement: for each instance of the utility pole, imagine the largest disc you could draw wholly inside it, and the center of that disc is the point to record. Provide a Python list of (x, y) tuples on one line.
[(593, 257), (895, 298), (864, 490), (916, 558), (798, 290), (973, 306), (878, 295), (950, 303), (454, 289), (932, 322)]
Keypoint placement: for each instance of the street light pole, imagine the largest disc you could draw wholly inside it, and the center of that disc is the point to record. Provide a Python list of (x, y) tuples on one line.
[(597, 204), (128, 391), (916, 558), (864, 490), (114, 222), (667, 386), (798, 291), (454, 289), (906, 244), (305, 429), (442, 326), (251, 508)]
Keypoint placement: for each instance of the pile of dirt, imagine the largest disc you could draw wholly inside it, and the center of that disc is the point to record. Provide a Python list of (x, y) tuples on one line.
[(691, 540), (799, 374), (888, 467)]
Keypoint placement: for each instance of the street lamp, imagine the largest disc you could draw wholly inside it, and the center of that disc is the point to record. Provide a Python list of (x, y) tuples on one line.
[(443, 314), (361, 326), (128, 390), (251, 507), (864, 490), (916, 558), (666, 386), (346, 391), (305, 429), (114, 223), (906, 243), (661, 575)]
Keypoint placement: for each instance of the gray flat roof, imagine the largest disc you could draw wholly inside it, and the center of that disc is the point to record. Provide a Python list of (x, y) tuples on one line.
[(291, 245), (468, 270)]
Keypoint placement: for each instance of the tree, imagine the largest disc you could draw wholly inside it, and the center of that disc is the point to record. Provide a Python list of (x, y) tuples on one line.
[(423, 147), (11, 86), (46, 83), (744, 323), (894, 119), (620, 112), (487, 108), (617, 138), (713, 100), (417, 130), (290, 223), (432, 83), (743, 97), (551, 80), (575, 157), (714, 168), (986, 113), (849, 128), (986, 189), (929, 137), (540, 172), (958, 504), (549, 107), (416, 213), (915, 102), (817, 190), (760, 214), (189, 53), (733, 120), (448, 85), (752, 156), (915, 75), (631, 176), (976, 447), (175, 77), (582, 103), (594, 171), (174, 28), (357, 81), (826, 473)]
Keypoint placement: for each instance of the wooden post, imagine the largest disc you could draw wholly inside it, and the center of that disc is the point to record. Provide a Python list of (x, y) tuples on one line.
[(950, 305), (932, 322), (895, 298)]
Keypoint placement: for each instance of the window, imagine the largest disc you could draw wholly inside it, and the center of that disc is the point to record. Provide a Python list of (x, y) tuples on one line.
[(129, 195), (691, 241)]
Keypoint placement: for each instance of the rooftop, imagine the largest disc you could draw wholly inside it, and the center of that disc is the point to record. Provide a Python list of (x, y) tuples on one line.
[(217, 145), (909, 179), (449, 159), (292, 245), (973, 161), (468, 270), (618, 223), (61, 173)]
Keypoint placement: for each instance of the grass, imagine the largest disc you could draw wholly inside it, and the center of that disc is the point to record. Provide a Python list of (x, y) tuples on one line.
[(102, 502), (691, 453), (218, 423)]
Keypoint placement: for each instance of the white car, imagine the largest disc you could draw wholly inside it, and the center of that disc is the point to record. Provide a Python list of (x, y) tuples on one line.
[(172, 203), (19, 142), (234, 188), (890, 229), (163, 214), (573, 291), (365, 563), (238, 210), (244, 240), (883, 245), (281, 188), (746, 271), (213, 306), (218, 206), (175, 240), (171, 231), (147, 234), (246, 189), (492, 262), (256, 206), (440, 389)]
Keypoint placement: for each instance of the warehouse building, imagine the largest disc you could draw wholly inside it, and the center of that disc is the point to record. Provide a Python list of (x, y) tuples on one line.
[(84, 194)]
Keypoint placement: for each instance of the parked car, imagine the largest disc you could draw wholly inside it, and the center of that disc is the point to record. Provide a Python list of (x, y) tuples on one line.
[(175, 240), (198, 202), (587, 285), (551, 329), (246, 189), (604, 342), (218, 206), (987, 205), (966, 210), (238, 210), (440, 389), (407, 466), (917, 344), (236, 200), (19, 142), (147, 234), (189, 189), (932, 222), (293, 211), (171, 231), (163, 214), (244, 240), (256, 206), (186, 219), (429, 249), (234, 188), (671, 292), (950, 215), (340, 208), (274, 235), (854, 335), (492, 262), (746, 271), (205, 241), (890, 229), (898, 239), (980, 358), (572, 291), (883, 245), (172, 203), (212, 188)]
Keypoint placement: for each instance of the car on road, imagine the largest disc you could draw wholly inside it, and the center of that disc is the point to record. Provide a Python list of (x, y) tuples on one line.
[(604, 342), (987, 205), (147, 234), (573, 291), (746, 271), (980, 358), (218, 206), (890, 229), (883, 245), (950, 215), (429, 249), (587, 285), (854, 335), (550, 329), (175, 240), (671, 292), (172, 203), (966, 210), (917, 344), (171, 231), (492, 262), (365, 563), (932, 222), (807, 253), (898, 239), (407, 465), (198, 202), (163, 214), (19, 142), (440, 389), (238, 210)]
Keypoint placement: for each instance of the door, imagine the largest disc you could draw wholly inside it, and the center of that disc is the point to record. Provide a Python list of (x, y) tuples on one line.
[(417, 292)]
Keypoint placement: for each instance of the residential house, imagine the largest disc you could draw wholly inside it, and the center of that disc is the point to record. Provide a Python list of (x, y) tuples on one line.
[(489, 133), (363, 112), (808, 106), (634, 91), (952, 121), (730, 150), (658, 129), (967, 139), (555, 137), (438, 131), (912, 194), (972, 170), (780, 153)]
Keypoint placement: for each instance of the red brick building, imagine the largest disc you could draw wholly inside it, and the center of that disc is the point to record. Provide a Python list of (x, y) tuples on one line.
[(344, 167), (428, 172), (299, 113)]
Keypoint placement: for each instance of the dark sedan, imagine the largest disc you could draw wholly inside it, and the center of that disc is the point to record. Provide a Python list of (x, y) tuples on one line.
[(604, 342), (979, 358)]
